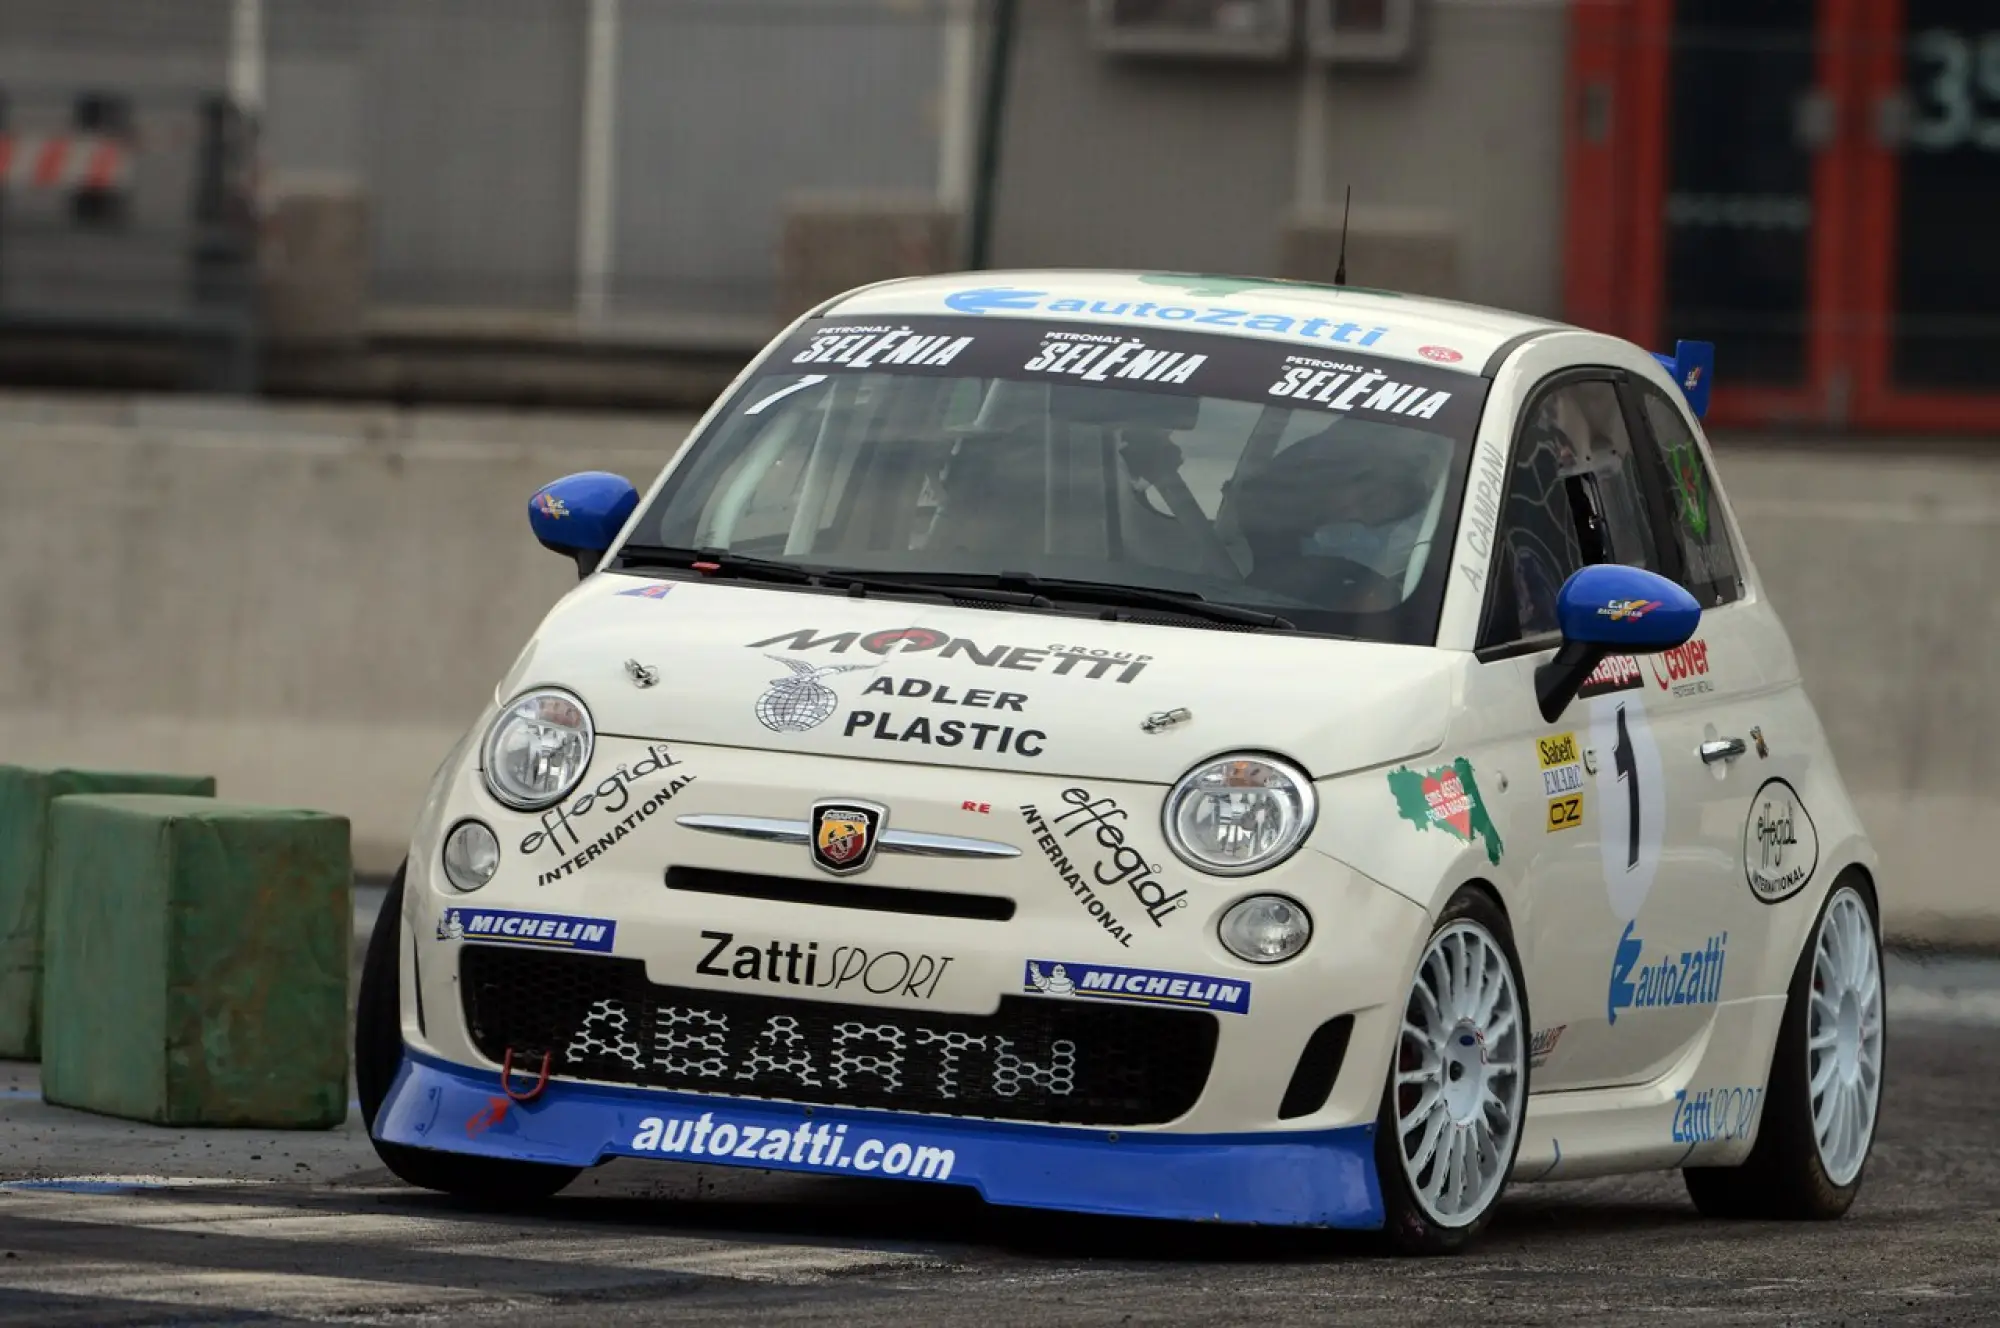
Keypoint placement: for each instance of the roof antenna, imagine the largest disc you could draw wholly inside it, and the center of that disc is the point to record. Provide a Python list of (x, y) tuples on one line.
[(1340, 268)]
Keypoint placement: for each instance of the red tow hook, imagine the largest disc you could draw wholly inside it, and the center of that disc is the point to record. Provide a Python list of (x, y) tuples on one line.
[(507, 1076), (495, 1110)]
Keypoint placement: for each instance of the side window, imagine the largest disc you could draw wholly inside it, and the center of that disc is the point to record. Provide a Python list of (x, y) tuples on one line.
[(1575, 499), (1708, 560)]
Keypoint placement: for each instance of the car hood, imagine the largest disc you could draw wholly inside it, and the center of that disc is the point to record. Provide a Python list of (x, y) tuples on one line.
[(740, 665)]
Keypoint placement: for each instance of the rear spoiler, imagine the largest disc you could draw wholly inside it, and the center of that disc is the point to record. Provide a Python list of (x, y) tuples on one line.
[(1693, 366)]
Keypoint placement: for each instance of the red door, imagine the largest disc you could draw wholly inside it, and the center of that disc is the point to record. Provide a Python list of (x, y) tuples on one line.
[(1811, 184), (1929, 202)]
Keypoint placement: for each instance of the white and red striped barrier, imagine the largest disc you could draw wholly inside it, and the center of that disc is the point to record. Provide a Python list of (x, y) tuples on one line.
[(67, 162)]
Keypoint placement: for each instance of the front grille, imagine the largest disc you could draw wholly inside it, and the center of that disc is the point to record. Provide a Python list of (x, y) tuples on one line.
[(1042, 1059), (825, 892)]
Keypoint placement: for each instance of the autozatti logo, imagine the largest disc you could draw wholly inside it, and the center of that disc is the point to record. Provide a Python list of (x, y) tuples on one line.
[(1694, 978), (925, 640), (1007, 299)]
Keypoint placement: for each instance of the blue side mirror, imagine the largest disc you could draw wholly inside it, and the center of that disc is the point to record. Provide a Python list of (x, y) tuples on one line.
[(580, 516), (1610, 609)]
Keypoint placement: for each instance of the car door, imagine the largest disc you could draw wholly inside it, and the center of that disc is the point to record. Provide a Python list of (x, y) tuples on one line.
[(1605, 799), (1736, 679)]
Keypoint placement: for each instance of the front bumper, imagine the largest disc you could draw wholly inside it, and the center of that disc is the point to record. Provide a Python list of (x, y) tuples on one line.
[(653, 1022), (1322, 1178)]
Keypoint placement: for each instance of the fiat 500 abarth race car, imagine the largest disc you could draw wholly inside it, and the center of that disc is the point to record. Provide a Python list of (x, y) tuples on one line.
[(1154, 745)]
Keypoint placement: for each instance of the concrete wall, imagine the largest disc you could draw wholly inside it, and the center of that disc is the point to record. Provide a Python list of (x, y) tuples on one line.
[(1149, 162), (309, 604), (312, 604)]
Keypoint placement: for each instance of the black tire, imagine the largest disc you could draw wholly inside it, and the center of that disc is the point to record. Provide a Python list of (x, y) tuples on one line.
[(1784, 1179), (1407, 1228), (378, 1054)]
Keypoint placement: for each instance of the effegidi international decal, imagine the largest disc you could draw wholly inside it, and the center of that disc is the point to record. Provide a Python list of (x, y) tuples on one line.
[(1446, 798), (1562, 780), (1780, 843), (563, 828)]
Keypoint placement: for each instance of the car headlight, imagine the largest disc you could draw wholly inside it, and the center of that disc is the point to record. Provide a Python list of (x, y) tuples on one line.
[(1239, 814), (471, 855), (537, 749), (1265, 929)]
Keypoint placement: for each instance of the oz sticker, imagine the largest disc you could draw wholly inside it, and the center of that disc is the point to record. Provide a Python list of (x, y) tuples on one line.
[(1631, 800)]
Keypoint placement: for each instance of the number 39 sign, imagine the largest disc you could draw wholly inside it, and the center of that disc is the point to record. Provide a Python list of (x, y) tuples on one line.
[(1632, 798)]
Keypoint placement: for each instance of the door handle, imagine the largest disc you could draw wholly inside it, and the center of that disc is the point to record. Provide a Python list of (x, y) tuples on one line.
[(1723, 749)]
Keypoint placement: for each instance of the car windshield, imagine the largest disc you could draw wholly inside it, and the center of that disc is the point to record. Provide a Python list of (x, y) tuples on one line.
[(1311, 483)]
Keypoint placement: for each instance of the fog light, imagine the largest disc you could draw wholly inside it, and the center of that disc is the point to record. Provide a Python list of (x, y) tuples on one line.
[(471, 855), (1265, 929)]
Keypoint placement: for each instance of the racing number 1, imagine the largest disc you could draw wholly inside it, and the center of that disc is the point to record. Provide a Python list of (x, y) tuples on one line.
[(1628, 770)]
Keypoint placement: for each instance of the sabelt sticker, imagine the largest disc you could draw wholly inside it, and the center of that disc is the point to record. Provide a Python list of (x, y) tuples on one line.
[(1631, 796), (1562, 780), (1780, 843)]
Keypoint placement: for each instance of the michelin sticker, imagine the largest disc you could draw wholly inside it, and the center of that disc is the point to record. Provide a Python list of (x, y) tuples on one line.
[(1631, 796), (1143, 986), (1780, 845), (544, 931)]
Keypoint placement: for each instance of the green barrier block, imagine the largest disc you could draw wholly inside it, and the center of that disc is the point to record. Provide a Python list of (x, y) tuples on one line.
[(197, 959), (25, 796)]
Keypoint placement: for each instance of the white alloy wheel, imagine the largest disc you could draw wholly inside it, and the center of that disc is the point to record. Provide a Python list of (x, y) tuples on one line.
[(1459, 1075), (1844, 1036)]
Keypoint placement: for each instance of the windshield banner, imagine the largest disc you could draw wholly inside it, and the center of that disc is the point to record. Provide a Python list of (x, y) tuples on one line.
[(1083, 355)]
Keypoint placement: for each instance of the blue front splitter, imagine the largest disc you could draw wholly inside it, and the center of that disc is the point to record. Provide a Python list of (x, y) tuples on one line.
[(1324, 1178)]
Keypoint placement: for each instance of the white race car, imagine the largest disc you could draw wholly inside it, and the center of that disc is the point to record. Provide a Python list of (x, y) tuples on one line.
[(1158, 745)]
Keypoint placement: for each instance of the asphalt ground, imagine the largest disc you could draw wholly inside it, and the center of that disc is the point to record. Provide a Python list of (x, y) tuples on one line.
[(106, 1222)]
